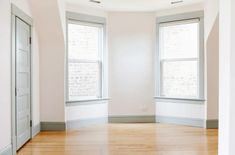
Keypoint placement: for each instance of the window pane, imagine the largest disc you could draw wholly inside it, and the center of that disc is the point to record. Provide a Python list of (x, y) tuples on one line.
[(83, 80), (83, 42), (179, 41), (180, 79), (84, 59)]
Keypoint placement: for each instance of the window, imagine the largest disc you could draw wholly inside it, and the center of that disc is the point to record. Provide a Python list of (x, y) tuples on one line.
[(84, 60), (180, 59)]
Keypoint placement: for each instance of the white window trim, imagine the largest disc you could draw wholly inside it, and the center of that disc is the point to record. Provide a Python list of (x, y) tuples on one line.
[(199, 15), (76, 18)]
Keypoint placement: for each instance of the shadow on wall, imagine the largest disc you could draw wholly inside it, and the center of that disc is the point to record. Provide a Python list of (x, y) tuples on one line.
[(212, 45)]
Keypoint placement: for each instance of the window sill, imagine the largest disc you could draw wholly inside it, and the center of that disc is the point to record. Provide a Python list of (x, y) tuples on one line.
[(85, 102), (180, 100)]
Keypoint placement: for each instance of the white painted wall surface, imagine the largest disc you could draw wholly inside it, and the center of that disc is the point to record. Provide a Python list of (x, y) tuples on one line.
[(181, 110), (90, 111), (182, 9), (212, 58), (131, 63), (5, 74), (35, 79), (61, 6), (23, 5), (227, 78), (211, 10), (47, 19), (85, 10)]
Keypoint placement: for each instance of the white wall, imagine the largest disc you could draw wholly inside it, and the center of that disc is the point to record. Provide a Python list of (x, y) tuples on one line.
[(35, 79), (23, 5), (48, 17), (182, 9), (61, 6), (212, 58), (5, 74), (180, 110), (85, 10), (211, 8), (131, 63), (227, 78), (87, 111)]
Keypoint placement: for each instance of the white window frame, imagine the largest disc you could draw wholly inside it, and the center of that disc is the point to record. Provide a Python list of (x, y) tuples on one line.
[(187, 17), (81, 19)]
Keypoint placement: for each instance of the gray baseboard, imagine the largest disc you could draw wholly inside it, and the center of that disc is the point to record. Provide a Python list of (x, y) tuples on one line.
[(76, 124), (36, 129), (181, 121), (132, 119), (7, 150), (212, 124), (53, 126)]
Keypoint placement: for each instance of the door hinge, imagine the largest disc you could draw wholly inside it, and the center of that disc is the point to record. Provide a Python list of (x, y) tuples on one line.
[(31, 123), (15, 92), (30, 40)]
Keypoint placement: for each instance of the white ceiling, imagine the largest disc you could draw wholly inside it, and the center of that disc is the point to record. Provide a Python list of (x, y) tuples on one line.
[(131, 5)]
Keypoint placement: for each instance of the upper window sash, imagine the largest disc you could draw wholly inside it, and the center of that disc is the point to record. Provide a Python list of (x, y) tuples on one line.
[(179, 22), (181, 17), (85, 18), (101, 35), (77, 22)]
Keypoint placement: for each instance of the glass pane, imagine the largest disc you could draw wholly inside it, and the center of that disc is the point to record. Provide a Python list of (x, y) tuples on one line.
[(179, 41), (83, 80), (83, 42), (180, 79)]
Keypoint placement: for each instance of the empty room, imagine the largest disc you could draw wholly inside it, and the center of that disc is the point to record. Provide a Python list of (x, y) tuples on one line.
[(117, 77)]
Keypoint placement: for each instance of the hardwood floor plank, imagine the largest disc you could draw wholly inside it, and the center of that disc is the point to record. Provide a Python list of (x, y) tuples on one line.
[(125, 139)]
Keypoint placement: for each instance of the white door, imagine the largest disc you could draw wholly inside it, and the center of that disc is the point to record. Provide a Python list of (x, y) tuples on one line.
[(22, 82)]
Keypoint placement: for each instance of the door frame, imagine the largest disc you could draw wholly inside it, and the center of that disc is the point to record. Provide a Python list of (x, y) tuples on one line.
[(16, 12)]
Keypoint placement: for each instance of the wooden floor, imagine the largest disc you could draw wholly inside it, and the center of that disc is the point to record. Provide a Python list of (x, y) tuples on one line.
[(125, 139)]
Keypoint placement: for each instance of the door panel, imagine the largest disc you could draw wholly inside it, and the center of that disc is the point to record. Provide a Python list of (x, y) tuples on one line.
[(22, 83)]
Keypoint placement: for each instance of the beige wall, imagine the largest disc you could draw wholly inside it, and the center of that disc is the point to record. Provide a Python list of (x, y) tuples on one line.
[(52, 53), (131, 63), (5, 75), (212, 58)]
